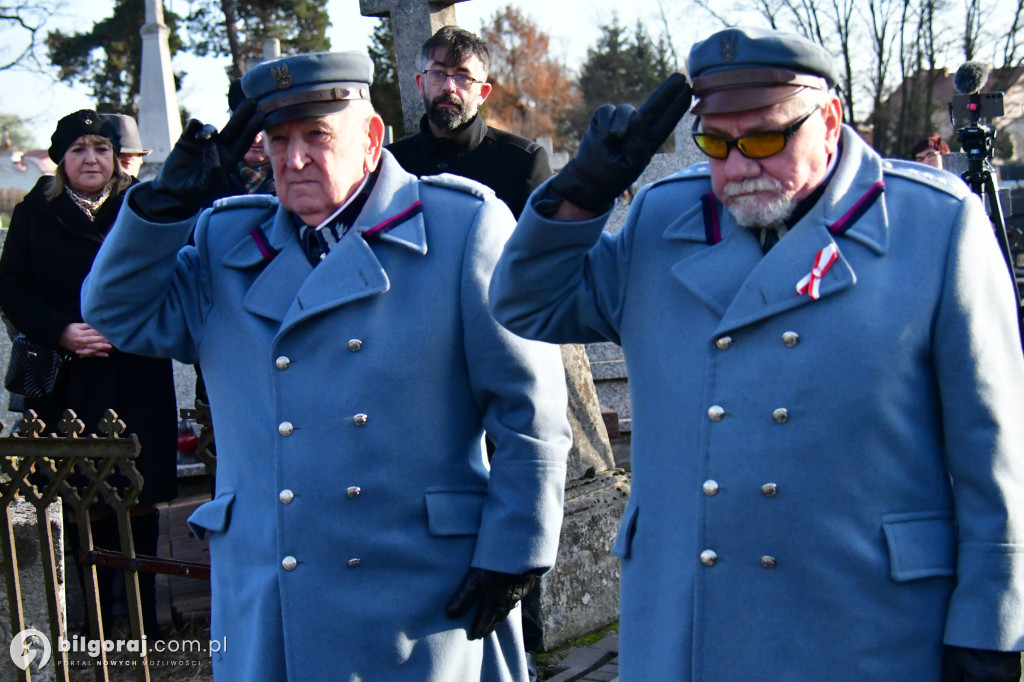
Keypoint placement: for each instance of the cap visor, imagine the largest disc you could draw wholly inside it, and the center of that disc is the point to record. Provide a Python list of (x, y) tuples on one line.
[(305, 110)]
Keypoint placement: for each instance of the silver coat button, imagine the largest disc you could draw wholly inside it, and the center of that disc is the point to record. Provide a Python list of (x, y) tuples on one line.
[(724, 342), (769, 489), (282, 362), (790, 339), (289, 563), (708, 557), (768, 561), (354, 491), (716, 412), (355, 345), (352, 563), (781, 415), (285, 428), (286, 496), (710, 488), (360, 419)]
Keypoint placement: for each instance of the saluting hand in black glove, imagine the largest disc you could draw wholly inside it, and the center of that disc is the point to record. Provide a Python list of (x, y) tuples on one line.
[(619, 144), (196, 171), (494, 595)]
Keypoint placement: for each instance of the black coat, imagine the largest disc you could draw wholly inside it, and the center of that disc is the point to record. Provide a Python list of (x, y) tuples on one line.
[(49, 250), (511, 165)]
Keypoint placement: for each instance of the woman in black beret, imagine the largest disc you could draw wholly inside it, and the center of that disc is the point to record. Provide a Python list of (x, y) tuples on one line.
[(53, 238)]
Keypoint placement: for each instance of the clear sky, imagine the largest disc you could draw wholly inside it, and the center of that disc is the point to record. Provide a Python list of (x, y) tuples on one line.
[(572, 25)]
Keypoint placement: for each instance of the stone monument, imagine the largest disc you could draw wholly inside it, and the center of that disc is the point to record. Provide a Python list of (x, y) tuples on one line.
[(159, 118), (412, 22)]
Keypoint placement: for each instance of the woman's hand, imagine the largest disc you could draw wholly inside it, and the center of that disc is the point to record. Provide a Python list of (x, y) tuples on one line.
[(84, 341)]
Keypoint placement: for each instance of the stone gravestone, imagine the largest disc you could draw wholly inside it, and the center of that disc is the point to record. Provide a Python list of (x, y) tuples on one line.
[(581, 593), (412, 22)]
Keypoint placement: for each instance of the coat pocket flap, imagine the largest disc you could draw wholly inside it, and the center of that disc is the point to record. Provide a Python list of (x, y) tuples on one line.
[(455, 512), (624, 538), (214, 515), (921, 545)]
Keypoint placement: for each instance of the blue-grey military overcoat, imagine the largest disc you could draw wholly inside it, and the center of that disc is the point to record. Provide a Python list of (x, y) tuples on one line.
[(349, 402), (823, 489)]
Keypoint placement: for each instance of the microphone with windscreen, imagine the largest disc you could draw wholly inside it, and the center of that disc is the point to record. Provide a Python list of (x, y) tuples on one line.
[(971, 105)]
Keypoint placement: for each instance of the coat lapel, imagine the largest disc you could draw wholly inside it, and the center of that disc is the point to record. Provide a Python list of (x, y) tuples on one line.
[(744, 286), (291, 291)]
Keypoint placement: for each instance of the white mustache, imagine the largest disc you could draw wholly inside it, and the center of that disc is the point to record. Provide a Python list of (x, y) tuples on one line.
[(762, 184)]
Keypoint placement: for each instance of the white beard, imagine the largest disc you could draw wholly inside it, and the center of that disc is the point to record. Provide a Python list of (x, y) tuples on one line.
[(769, 208)]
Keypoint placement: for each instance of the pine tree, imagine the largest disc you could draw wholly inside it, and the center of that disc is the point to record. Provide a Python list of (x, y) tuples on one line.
[(108, 57)]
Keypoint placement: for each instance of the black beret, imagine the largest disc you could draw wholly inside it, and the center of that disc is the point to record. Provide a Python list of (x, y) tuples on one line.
[(74, 126), (307, 85), (740, 69)]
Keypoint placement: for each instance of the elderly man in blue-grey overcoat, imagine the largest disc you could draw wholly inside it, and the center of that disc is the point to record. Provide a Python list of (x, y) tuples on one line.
[(358, 531), (827, 383)]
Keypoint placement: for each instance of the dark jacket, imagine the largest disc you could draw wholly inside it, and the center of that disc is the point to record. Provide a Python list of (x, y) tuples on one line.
[(511, 165), (49, 250)]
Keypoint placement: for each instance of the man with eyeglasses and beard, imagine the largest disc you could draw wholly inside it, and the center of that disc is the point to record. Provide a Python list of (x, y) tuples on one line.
[(454, 138), (826, 375)]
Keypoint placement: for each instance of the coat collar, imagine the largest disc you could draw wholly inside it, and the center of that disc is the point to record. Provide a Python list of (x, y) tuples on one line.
[(468, 138), (741, 285), (289, 290)]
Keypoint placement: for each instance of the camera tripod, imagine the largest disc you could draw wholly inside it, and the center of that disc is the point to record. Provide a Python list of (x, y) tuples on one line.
[(976, 141)]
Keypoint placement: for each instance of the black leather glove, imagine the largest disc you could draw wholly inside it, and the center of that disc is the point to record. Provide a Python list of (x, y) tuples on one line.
[(494, 594), (197, 169), (619, 144), (979, 665)]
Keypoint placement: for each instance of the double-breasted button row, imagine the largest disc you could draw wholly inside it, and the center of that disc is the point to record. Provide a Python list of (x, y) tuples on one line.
[(709, 558), (711, 488), (789, 339), (716, 413)]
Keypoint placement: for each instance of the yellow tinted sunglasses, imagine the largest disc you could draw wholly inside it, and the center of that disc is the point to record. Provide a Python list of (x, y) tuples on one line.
[(752, 145)]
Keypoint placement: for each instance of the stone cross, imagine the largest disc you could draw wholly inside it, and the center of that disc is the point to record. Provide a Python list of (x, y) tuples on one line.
[(159, 118), (412, 22)]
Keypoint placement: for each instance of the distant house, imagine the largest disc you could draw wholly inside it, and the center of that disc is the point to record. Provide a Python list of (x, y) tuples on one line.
[(1008, 80), (21, 170)]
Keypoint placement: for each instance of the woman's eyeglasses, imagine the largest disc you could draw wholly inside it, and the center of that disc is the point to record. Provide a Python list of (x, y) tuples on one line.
[(752, 145)]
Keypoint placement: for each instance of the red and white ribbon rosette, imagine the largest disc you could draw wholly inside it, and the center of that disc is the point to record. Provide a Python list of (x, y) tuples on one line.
[(811, 283)]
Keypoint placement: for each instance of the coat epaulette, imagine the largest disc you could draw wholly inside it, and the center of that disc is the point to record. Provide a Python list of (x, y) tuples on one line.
[(245, 201), (457, 182), (698, 171), (926, 175)]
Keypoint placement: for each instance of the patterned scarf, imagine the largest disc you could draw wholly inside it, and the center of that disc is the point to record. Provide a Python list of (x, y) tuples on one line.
[(90, 203), (252, 178)]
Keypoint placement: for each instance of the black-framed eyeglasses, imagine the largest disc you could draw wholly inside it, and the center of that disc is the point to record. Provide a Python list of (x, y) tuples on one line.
[(759, 145), (461, 80)]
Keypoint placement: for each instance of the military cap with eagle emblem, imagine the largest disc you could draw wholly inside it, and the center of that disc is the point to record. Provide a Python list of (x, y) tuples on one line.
[(307, 85), (740, 69)]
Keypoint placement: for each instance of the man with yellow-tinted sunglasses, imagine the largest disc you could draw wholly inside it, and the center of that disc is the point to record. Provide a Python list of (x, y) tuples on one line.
[(826, 378)]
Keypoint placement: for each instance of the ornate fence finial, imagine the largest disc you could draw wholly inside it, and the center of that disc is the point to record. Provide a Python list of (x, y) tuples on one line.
[(30, 425), (110, 425), (71, 426)]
